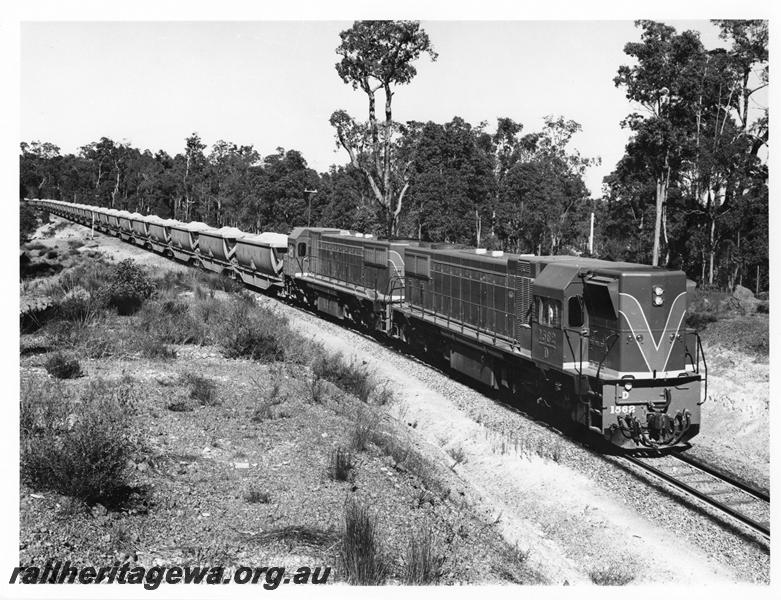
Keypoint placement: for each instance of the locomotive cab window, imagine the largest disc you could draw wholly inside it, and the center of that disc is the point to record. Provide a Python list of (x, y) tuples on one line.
[(575, 310), (548, 312), (302, 249)]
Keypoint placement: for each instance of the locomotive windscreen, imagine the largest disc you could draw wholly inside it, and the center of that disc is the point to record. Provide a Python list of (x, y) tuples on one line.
[(598, 302)]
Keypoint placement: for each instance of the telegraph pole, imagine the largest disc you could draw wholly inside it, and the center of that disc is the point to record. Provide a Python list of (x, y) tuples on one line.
[(591, 236)]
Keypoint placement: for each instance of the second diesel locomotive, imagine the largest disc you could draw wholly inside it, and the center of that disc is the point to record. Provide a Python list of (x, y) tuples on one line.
[(602, 343)]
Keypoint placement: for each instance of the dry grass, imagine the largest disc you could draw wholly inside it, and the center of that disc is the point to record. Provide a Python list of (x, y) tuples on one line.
[(423, 561), (362, 560), (341, 464)]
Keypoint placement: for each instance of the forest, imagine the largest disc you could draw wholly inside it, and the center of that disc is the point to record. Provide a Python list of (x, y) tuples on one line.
[(690, 192)]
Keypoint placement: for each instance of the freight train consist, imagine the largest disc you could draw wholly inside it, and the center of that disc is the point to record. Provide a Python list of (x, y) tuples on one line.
[(601, 343)]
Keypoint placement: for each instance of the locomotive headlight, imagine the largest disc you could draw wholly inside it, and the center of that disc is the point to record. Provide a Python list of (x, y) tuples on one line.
[(628, 385), (658, 299)]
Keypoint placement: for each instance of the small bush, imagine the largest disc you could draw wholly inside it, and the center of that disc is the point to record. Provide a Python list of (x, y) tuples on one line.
[(219, 282), (52, 254), (151, 346), (250, 332), (383, 396), (256, 496), (63, 366), (127, 288), (611, 575), (180, 405), (351, 377), (78, 306), (422, 564), (363, 429), (700, 320), (360, 555), (28, 221), (341, 464), (82, 449), (202, 389), (172, 322), (92, 276), (458, 455), (317, 390)]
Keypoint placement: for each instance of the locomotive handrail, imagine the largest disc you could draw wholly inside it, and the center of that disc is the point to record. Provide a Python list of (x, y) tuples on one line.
[(700, 355), (580, 347), (608, 348), (701, 351)]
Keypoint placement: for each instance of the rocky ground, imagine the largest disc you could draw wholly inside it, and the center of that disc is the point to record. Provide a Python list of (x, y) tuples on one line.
[(565, 513)]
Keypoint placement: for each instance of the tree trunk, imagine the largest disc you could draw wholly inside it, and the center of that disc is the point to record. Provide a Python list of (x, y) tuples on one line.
[(711, 249), (658, 220), (115, 191)]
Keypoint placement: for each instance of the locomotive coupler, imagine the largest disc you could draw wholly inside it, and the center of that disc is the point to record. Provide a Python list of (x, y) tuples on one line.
[(660, 429)]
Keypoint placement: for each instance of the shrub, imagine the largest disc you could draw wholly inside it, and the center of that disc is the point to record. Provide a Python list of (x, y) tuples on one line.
[(422, 564), (611, 575), (458, 455), (700, 320), (363, 429), (351, 377), (63, 366), (317, 390), (78, 306), (127, 288), (152, 346), (202, 389), (360, 555), (252, 333), (255, 496), (341, 464), (219, 282), (180, 405), (84, 450), (28, 221), (91, 276), (172, 322)]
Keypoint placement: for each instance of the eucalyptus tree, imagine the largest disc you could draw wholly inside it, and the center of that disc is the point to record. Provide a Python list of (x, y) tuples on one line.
[(378, 56), (663, 82)]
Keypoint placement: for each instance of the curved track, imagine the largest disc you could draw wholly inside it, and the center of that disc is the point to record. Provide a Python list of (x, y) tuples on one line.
[(741, 502)]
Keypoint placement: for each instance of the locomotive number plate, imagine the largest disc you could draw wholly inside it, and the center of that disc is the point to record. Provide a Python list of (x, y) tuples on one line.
[(615, 410)]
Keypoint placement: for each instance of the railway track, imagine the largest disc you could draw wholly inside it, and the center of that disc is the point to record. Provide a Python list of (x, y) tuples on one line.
[(741, 502)]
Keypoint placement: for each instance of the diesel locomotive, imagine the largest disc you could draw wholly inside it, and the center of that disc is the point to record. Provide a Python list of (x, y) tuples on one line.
[(601, 343)]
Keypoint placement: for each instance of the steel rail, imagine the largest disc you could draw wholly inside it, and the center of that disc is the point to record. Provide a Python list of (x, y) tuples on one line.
[(759, 494), (703, 496)]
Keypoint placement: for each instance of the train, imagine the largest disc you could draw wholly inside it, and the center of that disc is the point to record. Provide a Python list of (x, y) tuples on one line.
[(602, 344)]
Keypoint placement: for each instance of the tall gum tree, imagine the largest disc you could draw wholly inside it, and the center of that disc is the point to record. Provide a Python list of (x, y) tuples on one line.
[(378, 56), (661, 84)]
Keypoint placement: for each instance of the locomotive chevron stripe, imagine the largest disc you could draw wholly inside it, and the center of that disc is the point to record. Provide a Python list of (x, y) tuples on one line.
[(658, 351)]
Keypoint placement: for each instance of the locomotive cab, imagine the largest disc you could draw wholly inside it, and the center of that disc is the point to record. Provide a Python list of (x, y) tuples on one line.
[(559, 319), (619, 333)]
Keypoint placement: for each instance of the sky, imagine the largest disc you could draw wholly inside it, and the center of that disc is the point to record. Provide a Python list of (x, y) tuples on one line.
[(273, 83)]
